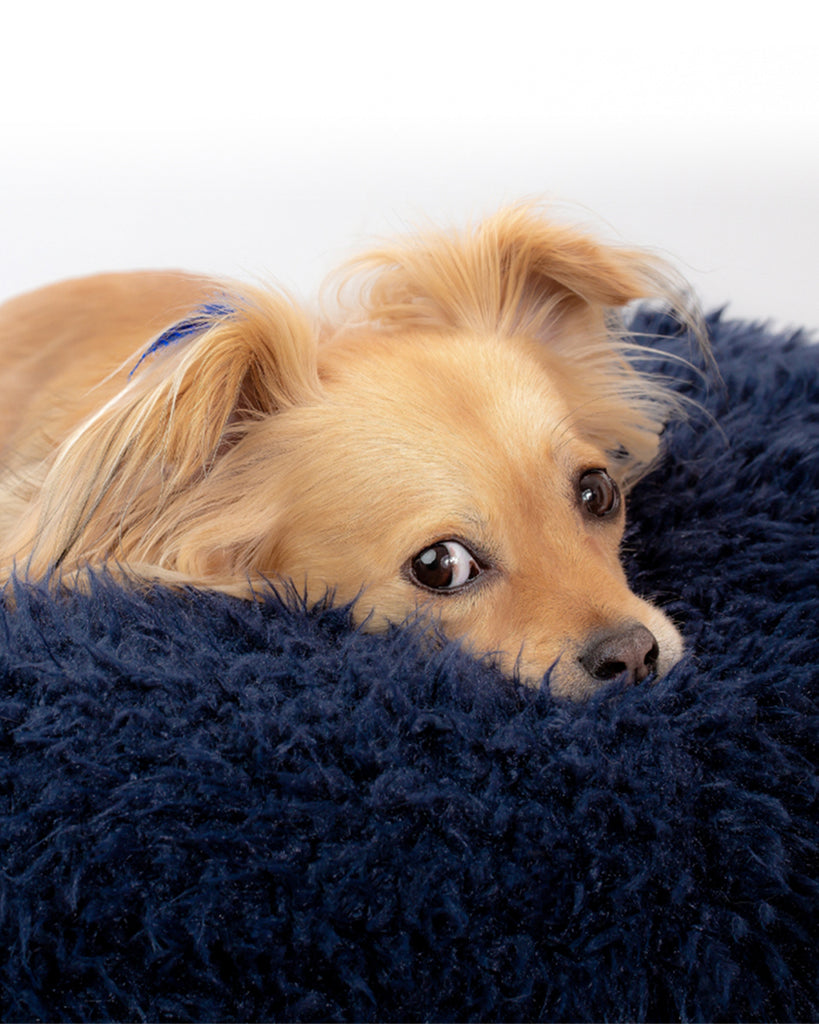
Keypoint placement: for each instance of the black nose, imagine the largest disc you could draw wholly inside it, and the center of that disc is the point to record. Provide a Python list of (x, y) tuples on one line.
[(630, 649)]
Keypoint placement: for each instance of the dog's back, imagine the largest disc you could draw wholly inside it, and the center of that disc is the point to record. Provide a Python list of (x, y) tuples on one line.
[(63, 349)]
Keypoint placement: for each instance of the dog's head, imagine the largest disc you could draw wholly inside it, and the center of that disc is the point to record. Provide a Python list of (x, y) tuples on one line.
[(457, 444)]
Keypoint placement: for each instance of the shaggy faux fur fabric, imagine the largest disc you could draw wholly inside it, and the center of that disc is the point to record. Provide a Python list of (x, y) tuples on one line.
[(216, 810)]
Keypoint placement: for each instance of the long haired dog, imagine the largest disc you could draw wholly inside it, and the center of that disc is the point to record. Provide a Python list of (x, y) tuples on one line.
[(455, 442)]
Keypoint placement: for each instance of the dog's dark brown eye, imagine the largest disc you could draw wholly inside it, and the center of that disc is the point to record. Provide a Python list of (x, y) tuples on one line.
[(446, 565), (599, 494)]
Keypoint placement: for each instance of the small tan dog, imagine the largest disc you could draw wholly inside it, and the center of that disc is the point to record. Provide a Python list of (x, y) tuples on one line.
[(456, 441)]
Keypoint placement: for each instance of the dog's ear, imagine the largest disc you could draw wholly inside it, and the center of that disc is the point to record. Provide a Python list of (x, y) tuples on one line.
[(515, 273), (122, 487), (519, 274), (206, 379)]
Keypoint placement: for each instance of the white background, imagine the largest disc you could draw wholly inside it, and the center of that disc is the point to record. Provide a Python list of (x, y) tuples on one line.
[(269, 139)]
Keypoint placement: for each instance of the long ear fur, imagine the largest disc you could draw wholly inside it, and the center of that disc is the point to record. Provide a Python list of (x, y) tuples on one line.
[(520, 274), (147, 471)]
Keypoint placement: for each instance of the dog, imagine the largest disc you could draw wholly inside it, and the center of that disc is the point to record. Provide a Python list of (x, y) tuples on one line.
[(451, 440)]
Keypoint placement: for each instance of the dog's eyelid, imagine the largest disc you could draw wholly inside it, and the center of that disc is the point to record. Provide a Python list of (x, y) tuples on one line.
[(469, 529), (478, 551)]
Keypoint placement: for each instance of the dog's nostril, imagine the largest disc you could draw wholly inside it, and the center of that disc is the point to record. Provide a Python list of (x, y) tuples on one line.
[(629, 650)]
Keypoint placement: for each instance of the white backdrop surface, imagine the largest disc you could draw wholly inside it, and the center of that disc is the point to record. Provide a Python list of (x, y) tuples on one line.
[(271, 140)]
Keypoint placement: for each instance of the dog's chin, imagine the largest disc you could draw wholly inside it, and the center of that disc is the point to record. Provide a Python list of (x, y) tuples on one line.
[(568, 680), (571, 668)]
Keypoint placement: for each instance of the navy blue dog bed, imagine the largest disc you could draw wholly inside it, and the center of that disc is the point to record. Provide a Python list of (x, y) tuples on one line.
[(217, 810)]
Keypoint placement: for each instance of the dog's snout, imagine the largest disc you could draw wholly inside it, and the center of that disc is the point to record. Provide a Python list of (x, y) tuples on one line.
[(629, 650)]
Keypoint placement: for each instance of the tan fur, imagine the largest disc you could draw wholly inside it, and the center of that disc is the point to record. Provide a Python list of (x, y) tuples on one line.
[(459, 390)]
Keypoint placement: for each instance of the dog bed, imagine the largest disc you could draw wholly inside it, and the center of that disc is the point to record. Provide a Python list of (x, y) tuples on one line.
[(217, 810)]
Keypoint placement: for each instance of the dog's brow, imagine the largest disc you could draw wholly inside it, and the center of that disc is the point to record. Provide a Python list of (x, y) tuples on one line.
[(467, 523), (476, 520), (475, 527)]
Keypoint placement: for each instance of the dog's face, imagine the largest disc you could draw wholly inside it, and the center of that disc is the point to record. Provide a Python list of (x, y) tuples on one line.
[(444, 473), (457, 447)]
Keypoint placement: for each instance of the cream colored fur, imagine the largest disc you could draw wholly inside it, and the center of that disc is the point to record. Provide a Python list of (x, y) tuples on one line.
[(459, 390)]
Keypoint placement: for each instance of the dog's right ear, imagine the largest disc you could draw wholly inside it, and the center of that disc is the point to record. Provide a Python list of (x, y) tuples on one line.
[(225, 366), (118, 487)]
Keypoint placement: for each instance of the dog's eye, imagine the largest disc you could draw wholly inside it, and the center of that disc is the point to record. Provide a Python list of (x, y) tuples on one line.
[(446, 565), (599, 494)]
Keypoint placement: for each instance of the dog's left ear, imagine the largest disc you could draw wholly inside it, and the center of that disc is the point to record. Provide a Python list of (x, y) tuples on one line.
[(515, 273), (519, 274)]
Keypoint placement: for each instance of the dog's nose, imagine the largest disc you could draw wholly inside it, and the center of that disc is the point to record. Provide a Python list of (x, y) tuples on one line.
[(629, 649)]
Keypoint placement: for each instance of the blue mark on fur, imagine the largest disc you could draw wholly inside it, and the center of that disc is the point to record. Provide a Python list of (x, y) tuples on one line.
[(200, 320)]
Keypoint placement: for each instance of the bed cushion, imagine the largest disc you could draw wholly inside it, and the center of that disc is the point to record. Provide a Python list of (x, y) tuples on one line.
[(219, 810)]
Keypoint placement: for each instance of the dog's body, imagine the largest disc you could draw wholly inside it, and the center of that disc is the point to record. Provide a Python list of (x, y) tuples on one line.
[(457, 445)]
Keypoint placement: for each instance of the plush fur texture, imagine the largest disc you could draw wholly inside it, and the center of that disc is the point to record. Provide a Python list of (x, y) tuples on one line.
[(213, 809), (454, 441)]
